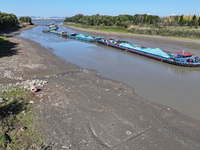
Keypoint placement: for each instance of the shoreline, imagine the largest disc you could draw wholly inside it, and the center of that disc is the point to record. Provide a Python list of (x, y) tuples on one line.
[(10, 33), (173, 40), (78, 109)]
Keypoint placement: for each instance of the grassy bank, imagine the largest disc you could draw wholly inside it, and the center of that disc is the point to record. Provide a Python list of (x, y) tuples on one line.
[(6, 47), (4, 42), (178, 32), (98, 28), (17, 128)]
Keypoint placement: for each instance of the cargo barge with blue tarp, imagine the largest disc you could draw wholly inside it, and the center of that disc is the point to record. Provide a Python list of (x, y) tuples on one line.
[(182, 58), (71, 35)]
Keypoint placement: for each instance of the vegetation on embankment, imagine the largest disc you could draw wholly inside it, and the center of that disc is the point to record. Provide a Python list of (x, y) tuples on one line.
[(178, 32), (175, 26), (97, 28), (3, 39), (10, 21), (25, 20), (17, 129)]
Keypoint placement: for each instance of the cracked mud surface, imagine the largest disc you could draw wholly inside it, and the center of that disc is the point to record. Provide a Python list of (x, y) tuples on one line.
[(78, 109)]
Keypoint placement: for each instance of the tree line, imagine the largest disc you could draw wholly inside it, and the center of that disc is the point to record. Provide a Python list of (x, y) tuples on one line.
[(127, 20), (11, 20), (182, 20), (120, 20), (8, 20), (25, 19)]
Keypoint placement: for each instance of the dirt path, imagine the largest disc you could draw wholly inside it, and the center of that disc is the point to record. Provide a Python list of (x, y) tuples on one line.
[(77, 109)]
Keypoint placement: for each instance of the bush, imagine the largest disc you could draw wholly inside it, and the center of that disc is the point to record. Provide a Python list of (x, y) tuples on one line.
[(8, 20), (26, 19), (167, 32)]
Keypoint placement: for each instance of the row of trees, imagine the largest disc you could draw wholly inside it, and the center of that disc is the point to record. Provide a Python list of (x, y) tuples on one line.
[(189, 20), (8, 20), (121, 20), (127, 20), (182, 20)]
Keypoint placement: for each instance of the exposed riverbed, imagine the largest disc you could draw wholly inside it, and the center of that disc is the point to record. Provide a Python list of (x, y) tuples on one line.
[(173, 86), (78, 109)]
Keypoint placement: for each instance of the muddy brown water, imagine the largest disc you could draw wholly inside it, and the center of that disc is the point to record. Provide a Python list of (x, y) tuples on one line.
[(173, 86)]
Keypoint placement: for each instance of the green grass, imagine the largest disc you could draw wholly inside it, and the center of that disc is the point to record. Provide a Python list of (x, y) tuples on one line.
[(16, 112), (7, 47), (3, 41), (96, 28), (3, 38)]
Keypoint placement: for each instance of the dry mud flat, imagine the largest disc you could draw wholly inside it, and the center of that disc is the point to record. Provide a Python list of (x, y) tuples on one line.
[(77, 109)]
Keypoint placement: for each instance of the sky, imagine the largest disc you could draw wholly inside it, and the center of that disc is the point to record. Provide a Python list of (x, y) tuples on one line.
[(68, 8)]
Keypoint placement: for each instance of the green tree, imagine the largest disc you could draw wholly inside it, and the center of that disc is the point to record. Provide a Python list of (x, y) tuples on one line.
[(145, 19), (194, 21), (182, 21), (7, 20), (120, 20), (25, 19), (199, 21)]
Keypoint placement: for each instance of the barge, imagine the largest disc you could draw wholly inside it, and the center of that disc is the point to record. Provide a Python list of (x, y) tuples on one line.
[(52, 31), (182, 58), (72, 35), (80, 37), (53, 27)]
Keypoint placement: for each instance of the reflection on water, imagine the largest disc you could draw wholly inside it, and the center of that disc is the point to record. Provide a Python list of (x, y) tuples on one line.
[(173, 86), (182, 71)]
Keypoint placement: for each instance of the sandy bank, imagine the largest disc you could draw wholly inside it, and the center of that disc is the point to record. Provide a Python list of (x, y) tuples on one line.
[(78, 109)]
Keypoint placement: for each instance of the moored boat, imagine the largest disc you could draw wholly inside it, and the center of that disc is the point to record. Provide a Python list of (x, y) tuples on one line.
[(182, 58), (185, 59), (81, 37), (72, 35), (52, 31), (53, 27), (50, 24)]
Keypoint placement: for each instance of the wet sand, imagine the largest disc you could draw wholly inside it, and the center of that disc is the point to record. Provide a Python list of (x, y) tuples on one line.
[(78, 109)]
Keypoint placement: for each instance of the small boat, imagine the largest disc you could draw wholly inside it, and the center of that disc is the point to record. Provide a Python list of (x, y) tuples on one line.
[(72, 35), (185, 59), (53, 27), (50, 24), (53, 32)]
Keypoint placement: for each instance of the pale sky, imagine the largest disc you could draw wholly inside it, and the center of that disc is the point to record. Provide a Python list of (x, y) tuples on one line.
[(68, 8)]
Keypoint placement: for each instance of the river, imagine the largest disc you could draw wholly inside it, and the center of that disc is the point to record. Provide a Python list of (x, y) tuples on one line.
[(169, 85)]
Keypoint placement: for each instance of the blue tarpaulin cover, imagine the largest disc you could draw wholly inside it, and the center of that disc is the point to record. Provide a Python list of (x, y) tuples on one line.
[(155, 51), (83, 36)]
